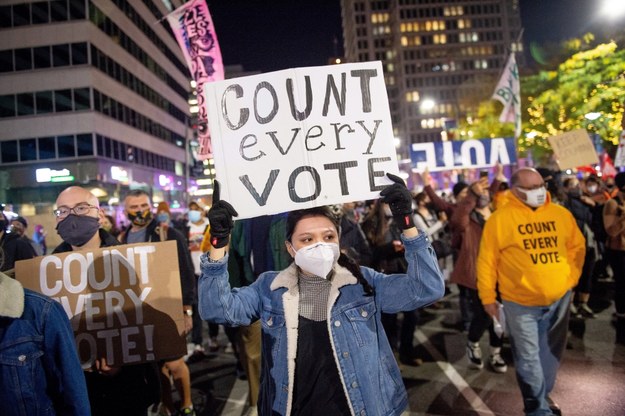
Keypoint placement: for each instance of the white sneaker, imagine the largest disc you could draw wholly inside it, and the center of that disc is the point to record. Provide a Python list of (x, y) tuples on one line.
[(497, 363), (474, 354)]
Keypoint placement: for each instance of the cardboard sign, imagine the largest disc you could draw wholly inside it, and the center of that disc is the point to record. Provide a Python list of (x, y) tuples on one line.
[(124, 302), (301, 138), (573, 149), (462, 154)]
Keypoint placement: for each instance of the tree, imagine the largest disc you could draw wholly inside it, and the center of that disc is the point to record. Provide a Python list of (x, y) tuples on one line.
[(591, 80)]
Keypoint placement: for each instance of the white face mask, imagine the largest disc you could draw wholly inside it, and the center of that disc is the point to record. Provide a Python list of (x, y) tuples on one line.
[(318, 259), (592, 189), (535, 197)]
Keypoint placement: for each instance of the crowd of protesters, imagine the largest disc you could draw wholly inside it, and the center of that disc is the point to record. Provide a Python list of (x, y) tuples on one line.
[(587, 237)]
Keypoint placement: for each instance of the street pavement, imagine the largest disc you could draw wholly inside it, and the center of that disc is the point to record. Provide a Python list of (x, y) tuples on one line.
[(591, 380)]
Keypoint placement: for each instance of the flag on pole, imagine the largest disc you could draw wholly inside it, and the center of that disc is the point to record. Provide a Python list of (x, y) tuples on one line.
[(194, 30), (508, 92)]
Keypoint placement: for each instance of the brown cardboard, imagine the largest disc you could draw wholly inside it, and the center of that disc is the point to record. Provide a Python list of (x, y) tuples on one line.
[(124, 302), (573, 149)]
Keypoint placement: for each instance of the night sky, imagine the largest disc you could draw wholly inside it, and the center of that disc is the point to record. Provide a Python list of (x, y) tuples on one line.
[(269, 35)]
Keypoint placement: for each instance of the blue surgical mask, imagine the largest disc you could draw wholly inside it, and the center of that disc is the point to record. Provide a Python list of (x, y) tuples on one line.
[(162, 217), (195, 216)]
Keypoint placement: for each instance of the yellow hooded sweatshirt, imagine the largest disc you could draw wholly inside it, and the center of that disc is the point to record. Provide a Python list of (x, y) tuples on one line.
[(535, 256)]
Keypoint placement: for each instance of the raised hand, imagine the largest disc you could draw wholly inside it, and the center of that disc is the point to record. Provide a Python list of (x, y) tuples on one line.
[(398, 197), (220, 219)]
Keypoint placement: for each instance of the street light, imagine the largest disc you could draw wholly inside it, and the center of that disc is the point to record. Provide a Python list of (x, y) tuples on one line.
[(613, 8), (427, 104)]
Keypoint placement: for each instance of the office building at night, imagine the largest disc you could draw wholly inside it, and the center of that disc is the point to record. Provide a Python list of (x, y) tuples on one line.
[(92, 93), (441, 57)]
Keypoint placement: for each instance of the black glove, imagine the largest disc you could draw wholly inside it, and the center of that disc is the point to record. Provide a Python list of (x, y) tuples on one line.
[(398, 197), (220, 219)]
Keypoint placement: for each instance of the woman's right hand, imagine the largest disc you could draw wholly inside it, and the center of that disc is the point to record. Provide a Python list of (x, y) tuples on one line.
[(220, 220)]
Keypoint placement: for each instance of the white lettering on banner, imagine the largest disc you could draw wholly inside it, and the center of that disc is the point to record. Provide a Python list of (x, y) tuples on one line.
[(437, 156), (301, 138), (113, 261)]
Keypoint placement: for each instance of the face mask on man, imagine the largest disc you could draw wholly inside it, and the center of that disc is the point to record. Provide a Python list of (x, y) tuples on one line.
[(140, 218), (482, 201), (77, 230), (195, 216), (535, 197), (592, 189), (318, 259)]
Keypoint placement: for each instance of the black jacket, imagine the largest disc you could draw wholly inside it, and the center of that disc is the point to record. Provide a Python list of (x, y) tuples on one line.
[(134, 387), (187, 274), (14, 248)]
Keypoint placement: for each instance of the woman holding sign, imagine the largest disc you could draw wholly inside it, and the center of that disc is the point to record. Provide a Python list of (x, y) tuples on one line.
[(324, 350)]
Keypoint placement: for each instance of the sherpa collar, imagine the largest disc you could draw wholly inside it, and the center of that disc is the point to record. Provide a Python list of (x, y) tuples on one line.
[(11, 297), (287, 278)]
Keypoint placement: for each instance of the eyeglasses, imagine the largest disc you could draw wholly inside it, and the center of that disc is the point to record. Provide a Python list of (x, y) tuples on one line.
[(80, 210)]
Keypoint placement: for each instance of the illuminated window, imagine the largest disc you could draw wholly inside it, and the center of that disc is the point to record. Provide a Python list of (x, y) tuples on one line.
[(404, 41), (412, 96)]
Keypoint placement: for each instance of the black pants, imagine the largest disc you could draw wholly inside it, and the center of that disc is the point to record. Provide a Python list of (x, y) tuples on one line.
[(481, 321), (617, 262)]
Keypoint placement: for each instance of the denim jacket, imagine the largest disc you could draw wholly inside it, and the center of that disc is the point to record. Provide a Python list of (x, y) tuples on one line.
[(40, 373), (369, 373)]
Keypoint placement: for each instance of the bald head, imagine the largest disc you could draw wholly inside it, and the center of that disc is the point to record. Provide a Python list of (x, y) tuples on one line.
[(74, 195), (524, 176)]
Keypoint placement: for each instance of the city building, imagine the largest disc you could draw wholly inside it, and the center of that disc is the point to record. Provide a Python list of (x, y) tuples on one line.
[(441, 57), (93, 93)]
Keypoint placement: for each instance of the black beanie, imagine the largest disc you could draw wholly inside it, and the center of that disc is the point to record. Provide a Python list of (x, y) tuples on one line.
[(458, 188)]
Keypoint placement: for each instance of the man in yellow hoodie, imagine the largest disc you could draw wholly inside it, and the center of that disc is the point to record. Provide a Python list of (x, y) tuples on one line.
[(532, 253)]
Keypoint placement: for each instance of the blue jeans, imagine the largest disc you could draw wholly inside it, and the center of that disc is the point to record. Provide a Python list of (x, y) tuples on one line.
[(538, 339)]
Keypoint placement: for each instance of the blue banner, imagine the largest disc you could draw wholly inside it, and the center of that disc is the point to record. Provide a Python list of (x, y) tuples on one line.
[(463, 154)]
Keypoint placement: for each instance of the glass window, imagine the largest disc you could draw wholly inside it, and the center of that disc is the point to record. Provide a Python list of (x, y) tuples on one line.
[(23, 59), (40, 12), (97, 105), (58, 10), (25, 104), (6, 59), (7, 105), (42, 57), (5, 16), (44, 102), (47, 148), (60, 54), (100, 143), (79, 53), (107, 148), (28, 150), (82, 99), (84, 144), (63, 100), (21, 14), (66, 146), (122, 151), (116, 150), (9, 151), (77, 9)]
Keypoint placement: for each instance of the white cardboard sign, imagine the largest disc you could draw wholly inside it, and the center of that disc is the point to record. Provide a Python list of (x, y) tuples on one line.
[(301, 137)]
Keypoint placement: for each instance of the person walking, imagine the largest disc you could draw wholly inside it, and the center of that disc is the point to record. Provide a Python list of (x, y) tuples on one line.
[(532, 253), (614, 222), (113, 390), (324, 350), (145, 228)]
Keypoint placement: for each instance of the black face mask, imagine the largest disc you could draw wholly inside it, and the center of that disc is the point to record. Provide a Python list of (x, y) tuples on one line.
[(575, 193), (77, 229), (140, 218)]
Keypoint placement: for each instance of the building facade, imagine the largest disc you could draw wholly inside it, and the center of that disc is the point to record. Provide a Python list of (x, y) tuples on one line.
[(441, 57), (92, 93)]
